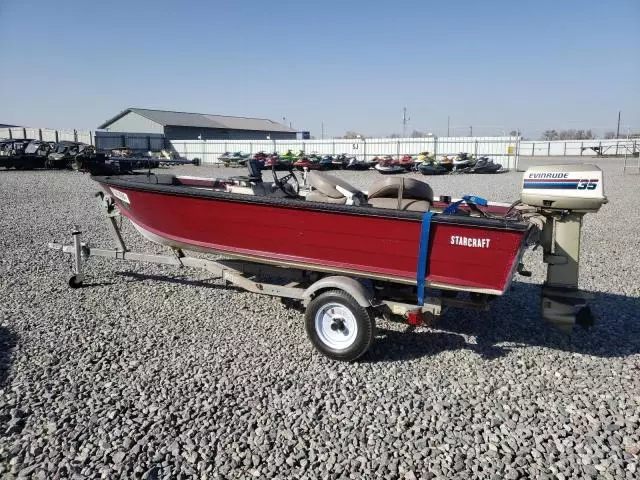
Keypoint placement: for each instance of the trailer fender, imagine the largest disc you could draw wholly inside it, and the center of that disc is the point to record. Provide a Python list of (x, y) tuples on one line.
[(363, 295)]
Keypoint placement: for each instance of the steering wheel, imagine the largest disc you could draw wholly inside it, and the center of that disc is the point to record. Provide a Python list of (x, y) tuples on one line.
[(289, 180)]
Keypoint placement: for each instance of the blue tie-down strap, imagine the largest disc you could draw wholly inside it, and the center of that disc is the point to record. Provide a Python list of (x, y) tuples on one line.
[(468, 199), (423, 255)]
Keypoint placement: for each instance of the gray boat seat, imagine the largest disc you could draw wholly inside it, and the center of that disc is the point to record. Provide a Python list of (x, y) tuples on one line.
[(401, 193), (326, 188), (263, 188)]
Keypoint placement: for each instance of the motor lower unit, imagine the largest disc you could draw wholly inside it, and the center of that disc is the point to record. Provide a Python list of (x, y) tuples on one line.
[(562, 195)]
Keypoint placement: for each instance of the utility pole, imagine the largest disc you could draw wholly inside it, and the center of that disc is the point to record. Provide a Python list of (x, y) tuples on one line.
[(322, 134), (448, 124), (471, 130), (405, 119), (618, 129)]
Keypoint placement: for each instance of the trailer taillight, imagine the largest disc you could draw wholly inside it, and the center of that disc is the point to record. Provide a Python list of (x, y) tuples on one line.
[(414, 318)]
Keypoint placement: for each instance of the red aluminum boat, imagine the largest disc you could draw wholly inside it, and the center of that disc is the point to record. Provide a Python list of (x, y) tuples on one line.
[(352, 255), (471, 253)]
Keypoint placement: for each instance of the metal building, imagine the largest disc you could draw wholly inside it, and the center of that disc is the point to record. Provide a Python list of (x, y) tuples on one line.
[(194, 126)]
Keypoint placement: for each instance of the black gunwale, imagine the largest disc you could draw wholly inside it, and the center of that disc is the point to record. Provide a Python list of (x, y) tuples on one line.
[(158, 184)]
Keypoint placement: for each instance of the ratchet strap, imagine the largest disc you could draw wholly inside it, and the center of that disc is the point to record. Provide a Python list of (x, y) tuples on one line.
[(470, 200), (423, 254)]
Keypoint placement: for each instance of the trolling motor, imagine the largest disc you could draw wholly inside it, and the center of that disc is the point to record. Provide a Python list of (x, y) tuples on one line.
[(562, 195)]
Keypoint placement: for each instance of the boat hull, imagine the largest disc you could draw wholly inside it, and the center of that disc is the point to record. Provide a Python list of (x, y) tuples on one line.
[(464, 253)]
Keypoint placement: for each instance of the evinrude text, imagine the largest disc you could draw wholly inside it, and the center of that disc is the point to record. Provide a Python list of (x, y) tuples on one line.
[(549, 175)]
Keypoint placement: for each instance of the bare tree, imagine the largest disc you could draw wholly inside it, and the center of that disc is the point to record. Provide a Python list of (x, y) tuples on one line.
[(417, 134), (350, 134), (395, 135), (610, 135), (514, 133), (570, 134), (630, 135)]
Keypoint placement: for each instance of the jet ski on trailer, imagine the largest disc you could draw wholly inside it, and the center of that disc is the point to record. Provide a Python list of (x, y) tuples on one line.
[(485, 165), (389, 167), (435, 248)]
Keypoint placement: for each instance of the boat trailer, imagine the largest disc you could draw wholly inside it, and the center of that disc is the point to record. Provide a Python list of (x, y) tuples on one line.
[(340, 310), (253, 277), (313, 291)]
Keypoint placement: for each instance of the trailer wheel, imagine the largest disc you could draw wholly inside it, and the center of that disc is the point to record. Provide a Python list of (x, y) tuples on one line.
[(74, 283), (338, 326)]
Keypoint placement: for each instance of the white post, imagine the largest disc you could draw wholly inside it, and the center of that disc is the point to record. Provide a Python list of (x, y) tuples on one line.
[(77, 244)]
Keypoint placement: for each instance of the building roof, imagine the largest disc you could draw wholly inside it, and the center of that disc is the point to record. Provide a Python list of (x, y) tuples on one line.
[(202, 120)]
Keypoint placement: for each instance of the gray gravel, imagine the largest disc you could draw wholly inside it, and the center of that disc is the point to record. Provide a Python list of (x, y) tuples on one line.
[(138, 377)]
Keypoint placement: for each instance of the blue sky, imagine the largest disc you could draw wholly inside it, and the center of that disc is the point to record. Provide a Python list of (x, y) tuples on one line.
[(353, 65)]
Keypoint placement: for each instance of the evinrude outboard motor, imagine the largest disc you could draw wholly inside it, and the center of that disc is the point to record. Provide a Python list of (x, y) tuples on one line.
[(562, 195)]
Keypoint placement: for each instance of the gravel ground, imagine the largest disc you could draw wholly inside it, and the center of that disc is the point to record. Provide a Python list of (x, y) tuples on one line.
[(152, 372)]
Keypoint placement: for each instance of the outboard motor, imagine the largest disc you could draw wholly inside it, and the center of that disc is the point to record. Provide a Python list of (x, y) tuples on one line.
[(562, 195)]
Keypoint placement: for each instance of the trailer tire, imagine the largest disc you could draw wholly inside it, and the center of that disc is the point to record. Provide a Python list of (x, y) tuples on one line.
[(339, 327)]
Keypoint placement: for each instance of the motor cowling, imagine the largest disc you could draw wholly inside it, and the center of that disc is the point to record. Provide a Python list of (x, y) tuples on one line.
[(577, 188)]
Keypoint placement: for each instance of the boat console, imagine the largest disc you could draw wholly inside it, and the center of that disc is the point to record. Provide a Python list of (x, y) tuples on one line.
[(254, 174), (251, 184)]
